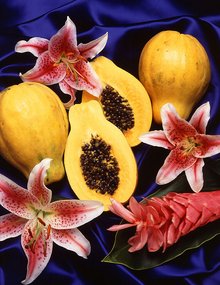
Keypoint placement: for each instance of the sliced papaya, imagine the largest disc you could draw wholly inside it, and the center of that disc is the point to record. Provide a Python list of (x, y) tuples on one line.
[(99, 162), (124, 99)]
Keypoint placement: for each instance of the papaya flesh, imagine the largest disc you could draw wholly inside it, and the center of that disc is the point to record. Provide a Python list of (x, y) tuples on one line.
[(33, 126), (124, 100), (98, 160)]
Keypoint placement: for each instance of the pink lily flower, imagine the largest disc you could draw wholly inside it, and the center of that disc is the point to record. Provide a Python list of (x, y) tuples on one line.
[(187, 142), (40, 222), (60, 60), (161, 221)]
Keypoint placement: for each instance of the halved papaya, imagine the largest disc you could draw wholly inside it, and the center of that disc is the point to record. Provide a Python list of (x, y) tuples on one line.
[(99, 162), (124, 100)]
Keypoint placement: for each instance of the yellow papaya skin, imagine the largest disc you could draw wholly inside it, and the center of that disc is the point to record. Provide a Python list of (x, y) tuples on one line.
[(174, 68), (86, 121), (131, 89), (33, 126)]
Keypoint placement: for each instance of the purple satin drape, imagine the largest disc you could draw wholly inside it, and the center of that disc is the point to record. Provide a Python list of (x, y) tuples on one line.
[(130, 25)]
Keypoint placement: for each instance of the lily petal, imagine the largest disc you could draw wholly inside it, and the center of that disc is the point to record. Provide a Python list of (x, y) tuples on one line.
[(209, 146), (72, 240), (119, 210), (11, 226), (175, 128), (38, 255), (17, 200), (64, 42), (36, 182), (91, 49), (156, 138), (66, 214), (45, 71), (194, 175), (175, 163), (35, 45), (200, 118), (67, 89), (85, 78)]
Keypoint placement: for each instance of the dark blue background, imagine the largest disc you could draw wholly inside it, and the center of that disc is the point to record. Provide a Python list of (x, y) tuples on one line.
[(130, 25)]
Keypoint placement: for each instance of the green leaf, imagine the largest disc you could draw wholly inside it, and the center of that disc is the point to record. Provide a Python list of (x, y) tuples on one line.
[(143, 259)]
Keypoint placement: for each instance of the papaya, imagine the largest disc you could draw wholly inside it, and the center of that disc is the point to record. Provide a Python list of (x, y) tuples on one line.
[(33, 126), (124, 100), (98, 160), (174, 68)]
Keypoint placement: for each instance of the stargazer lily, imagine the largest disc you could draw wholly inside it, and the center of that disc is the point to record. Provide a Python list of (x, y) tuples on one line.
[(40, 222), (61, 60), (187, 142)]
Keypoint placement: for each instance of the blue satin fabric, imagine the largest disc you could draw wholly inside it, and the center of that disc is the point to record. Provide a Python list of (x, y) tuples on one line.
[(129, 24)]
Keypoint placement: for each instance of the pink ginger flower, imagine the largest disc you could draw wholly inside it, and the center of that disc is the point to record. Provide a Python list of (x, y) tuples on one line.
[(188, 145), (161, 221), (61, 60), (40, 222)]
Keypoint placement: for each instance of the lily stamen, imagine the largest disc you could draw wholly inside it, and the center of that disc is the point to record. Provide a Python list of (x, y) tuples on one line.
[(71, 69), (31, 245), (48, 231), (80, 57), (41, 221), (30, 233), (45, 248)]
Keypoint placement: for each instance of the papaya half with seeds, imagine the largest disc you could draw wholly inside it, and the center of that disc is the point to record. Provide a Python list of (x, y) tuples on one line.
[(124, 100), (33, 126), (98, 160)]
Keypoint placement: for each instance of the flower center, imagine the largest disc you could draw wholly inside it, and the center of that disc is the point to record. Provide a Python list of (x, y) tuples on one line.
[(70, 59), (39, 230), (189, 144)]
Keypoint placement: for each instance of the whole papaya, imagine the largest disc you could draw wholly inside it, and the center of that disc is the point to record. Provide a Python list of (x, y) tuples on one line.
[(33, 126), (174, 68)]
